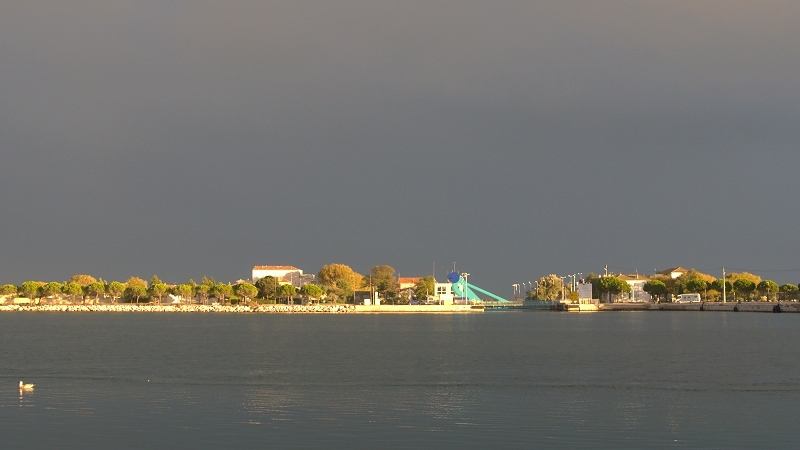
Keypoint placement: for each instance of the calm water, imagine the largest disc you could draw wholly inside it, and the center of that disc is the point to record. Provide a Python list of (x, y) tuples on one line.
[(498, 379)]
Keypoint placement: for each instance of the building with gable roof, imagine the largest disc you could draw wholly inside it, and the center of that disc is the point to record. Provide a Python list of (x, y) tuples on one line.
[(636, 282), (408, 282), (284, 274), (673, 272)]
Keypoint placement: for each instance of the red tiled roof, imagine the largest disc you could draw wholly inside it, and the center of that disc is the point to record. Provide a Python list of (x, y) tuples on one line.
[(275, 268), (408, 280)]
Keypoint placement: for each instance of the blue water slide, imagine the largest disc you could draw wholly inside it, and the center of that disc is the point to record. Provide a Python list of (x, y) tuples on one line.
[(464, 289)]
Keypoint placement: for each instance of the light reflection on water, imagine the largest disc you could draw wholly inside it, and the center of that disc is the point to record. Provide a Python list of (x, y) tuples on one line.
[(495, 379)]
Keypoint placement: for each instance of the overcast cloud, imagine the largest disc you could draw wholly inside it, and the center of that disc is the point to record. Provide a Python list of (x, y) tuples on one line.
[(515, 138)]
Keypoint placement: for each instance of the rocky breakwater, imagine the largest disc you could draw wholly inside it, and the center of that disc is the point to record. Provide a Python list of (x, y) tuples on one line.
[(275, 309)]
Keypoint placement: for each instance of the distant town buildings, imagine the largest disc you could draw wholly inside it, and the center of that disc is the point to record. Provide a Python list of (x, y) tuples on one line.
[(443, 292), (285, 275)]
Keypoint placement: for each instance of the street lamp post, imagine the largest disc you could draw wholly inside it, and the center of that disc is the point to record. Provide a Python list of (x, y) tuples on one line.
[(466, 288), (562, 287), (724, 294)]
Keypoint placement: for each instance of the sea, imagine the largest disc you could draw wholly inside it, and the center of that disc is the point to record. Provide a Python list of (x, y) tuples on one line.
[(514, 379)]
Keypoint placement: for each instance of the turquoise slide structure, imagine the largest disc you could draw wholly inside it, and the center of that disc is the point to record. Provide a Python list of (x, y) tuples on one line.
[(465, 290)]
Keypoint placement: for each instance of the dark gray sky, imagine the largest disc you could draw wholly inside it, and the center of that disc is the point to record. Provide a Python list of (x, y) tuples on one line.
[(515, 138)]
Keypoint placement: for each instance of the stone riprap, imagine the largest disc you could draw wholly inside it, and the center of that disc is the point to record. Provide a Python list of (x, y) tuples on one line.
[(303, 309)]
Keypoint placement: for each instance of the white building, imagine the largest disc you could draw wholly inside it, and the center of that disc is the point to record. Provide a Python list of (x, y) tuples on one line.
[(673, 272), (636, 282), (291, 274), (444, 293)]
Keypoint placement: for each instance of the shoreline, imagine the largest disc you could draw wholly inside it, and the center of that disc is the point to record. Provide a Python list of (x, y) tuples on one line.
[(773, 307), (212, 308), (246, 309)]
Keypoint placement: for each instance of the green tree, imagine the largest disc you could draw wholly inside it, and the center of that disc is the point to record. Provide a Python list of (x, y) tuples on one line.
[(612, 285), (158, 290), (155, 280), (95, 289), (52, 289), (185, 292), (136, 281), (194, 285), (134, 292), (206, 289), (82, 279), (310, 291), (424, 287), (203, 291), (341, 291), (767, 288), (549, 287), (31, 289), (245, 291), (746, 276), (8, 289), (692, 282), (267, 287), (717, 285), (135, 289), (331, 274), (656, 289), (288, 291), (384, 279), (788, 292), (743, 287), (74, 290), (223, 291), (116, 290)]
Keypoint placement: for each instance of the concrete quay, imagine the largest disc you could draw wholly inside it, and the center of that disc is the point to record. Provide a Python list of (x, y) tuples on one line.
[(417, 309), (792, 307)]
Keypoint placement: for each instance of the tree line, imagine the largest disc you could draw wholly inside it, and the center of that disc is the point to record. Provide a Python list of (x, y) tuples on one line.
[(83, 287), (741, 286), (335, 283)]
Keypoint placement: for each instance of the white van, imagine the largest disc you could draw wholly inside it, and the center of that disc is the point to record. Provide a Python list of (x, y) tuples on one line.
[(687, 298)]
